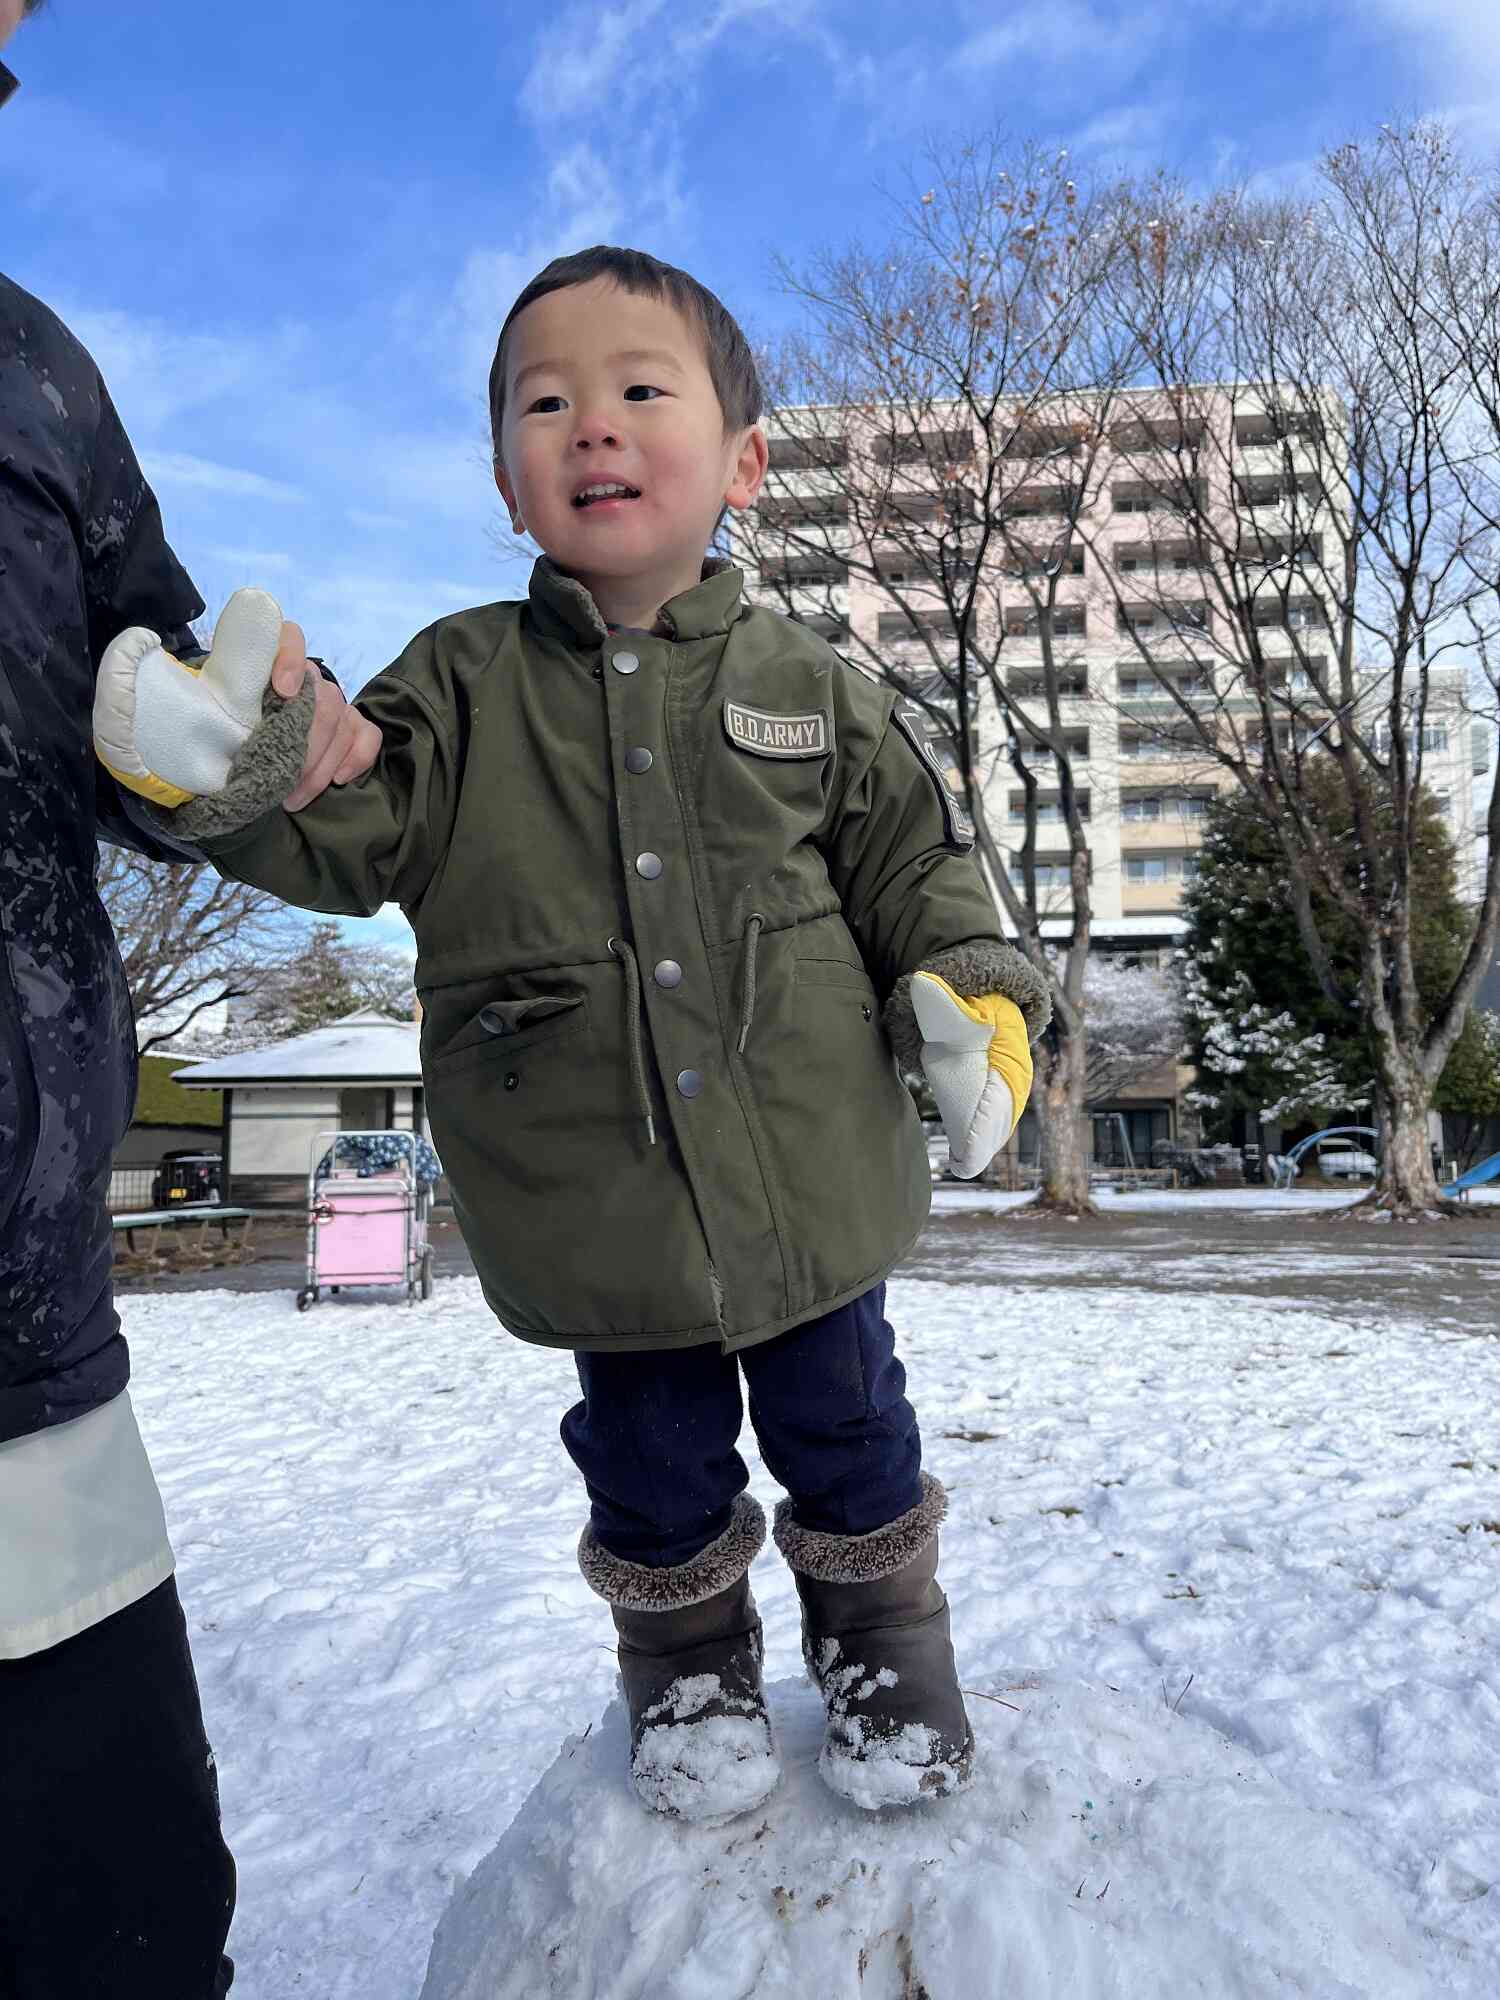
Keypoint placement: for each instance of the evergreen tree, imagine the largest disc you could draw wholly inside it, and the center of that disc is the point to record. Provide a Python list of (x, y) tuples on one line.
[(1265, 1036), (330, 977)]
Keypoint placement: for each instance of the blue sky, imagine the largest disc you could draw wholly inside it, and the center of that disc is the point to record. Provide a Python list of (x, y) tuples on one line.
[(289, 231)]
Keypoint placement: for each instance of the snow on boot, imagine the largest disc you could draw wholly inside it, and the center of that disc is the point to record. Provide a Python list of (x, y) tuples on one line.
[(876, 1642), (690, 1657)]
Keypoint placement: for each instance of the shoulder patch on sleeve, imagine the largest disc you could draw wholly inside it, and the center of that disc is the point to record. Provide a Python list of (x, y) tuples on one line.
[(913, 723)]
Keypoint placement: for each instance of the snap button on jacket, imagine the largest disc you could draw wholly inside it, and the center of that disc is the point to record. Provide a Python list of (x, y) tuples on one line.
[(707, 1139)]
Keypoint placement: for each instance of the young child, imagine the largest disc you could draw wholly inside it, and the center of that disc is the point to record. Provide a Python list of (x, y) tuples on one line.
[(672, 867)]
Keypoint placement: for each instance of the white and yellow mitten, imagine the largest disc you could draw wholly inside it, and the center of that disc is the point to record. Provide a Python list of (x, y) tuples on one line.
[(977, 1057), (211, 734)]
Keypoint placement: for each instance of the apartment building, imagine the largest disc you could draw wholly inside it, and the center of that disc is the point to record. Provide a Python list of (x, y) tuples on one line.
[(1099, 496)]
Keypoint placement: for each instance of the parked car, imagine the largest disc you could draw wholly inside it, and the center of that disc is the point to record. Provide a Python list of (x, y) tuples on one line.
[(1339, 1161), (186, 1177)]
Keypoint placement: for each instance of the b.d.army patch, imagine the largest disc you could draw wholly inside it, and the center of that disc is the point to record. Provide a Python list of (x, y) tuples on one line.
[(776, 735)]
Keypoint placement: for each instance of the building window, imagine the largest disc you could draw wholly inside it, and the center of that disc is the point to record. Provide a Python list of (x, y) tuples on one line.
[(1148, 868), (1068, 622), (1167, 498), (1074, 747), (953, 447), (1435, 738), (789, 454), (1158, 748), (1072, 685), (1049, 811), (798, 510), (896, 628), (802, 571), (1049, 874), (834, 630), (1274, 427)]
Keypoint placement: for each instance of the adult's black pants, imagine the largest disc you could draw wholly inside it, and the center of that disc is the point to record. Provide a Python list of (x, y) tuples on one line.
[(115, 1883)]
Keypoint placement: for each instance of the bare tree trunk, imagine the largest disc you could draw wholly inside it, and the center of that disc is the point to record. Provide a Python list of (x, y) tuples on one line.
[(1406, 1188), (1060, 1093), (1062, 1074)]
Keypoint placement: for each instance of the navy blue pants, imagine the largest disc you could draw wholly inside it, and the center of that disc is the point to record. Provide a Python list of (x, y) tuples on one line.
[(654, 1436)]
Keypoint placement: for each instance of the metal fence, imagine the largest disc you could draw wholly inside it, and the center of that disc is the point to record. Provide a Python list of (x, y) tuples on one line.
[(130, 1189)]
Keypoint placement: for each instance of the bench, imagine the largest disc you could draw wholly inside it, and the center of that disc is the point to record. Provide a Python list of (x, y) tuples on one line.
[(203, 1213)]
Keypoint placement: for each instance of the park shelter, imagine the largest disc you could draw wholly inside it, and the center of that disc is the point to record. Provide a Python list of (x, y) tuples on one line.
[(359, 1074)]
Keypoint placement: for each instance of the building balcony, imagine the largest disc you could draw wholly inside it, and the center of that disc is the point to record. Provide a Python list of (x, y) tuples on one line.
[(1163, 836), (1030, 685), (808, 453)]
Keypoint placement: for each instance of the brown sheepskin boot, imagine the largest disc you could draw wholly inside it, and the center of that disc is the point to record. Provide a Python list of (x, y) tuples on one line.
[(876, 1642), (690, 1666)]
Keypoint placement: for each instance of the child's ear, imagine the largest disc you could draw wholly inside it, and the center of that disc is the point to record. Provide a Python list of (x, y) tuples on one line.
[(508, 495), (749, 469)]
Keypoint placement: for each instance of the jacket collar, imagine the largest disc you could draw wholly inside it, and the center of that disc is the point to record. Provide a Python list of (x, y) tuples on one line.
[(710, 607)]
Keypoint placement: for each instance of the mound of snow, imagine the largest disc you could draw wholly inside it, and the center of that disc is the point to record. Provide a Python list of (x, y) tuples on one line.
[(1107, 1850)]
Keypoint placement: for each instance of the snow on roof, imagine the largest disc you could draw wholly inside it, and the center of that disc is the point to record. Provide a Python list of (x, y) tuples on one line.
[(366, 1047), (1105, 929)]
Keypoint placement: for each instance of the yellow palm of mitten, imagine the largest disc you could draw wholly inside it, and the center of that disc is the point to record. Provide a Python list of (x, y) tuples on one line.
[(977, 1058)]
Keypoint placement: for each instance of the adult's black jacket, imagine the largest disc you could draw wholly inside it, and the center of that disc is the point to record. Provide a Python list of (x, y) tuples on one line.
[(82, 555)]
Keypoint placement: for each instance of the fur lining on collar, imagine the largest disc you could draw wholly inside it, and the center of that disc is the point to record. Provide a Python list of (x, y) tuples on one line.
[(983, 965), (861, 1558), (637, 1587)]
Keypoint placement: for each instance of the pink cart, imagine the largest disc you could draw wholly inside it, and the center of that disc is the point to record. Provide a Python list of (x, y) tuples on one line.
[(368, 1229)]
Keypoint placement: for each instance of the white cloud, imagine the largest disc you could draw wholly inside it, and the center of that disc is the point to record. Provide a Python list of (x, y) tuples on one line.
[(444, 473), (1462, 36), (1454, 48), (1063, 34), (169, 469), (359, 620), (56, 156), (156, 371), (617, 59), (252, 562), (589, 198), (1124, 130)]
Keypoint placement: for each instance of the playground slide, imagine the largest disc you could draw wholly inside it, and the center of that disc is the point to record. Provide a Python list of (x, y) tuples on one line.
[(1487, 1170)]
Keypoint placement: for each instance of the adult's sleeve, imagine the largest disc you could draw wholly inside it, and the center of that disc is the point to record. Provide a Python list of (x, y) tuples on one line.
[(131, 577)]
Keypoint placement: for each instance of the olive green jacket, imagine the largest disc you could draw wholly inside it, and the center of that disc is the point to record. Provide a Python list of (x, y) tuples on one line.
[(662, 887)]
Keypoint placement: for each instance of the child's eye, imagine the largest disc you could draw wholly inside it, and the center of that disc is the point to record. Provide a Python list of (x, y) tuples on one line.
[(545, 399), (640, 390)]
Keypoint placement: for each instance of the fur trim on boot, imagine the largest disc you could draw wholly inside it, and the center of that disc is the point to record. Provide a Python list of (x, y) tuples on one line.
[(983, 965), (861, 1558), (637, 1587), (876, 1640), (690, 1668)]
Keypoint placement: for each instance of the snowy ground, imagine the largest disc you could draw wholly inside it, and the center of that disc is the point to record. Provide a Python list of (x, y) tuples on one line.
[(1252, 1521)]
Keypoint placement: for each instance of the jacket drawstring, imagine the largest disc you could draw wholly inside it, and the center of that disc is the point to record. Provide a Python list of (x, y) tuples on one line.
[(753, 930), (622, 951)]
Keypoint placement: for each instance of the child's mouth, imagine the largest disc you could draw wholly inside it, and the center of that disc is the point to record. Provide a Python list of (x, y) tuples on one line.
[(605, 496)]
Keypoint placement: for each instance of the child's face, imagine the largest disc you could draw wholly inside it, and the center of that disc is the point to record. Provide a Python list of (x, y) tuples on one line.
[(604, 386)]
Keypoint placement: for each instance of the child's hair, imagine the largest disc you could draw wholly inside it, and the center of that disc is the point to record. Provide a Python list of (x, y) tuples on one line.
[(731, 365)]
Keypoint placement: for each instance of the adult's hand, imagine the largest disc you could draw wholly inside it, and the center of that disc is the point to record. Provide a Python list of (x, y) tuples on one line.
[(342, 744)]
